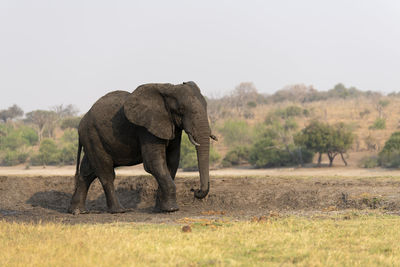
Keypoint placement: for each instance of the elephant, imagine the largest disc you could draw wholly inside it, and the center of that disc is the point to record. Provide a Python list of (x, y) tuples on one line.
[(145, 126)]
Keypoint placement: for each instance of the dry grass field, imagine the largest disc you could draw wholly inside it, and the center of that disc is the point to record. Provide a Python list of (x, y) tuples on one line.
[(303, 217), (348, 239)]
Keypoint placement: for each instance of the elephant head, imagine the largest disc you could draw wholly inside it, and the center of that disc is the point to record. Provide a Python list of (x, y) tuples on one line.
[(160, 108)]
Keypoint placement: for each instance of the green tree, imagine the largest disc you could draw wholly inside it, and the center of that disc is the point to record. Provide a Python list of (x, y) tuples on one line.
[(236, 156), (379, 124), (67, 154), (390, 155), (315, 137), (341, 141), (14, 140), (340, 91), (67, 147), (323, 138), (13, 157), (29, 135), (48, 153), (13, 137), (281, 127), (266, 153), (286, 113), (70, 136), (11, 141), (11, 113)]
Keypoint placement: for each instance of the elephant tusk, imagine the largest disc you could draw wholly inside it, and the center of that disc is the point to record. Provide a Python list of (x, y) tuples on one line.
[(192, 140), (213, 137)]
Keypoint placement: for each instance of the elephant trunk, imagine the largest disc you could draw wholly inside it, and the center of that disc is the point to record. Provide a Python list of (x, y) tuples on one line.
[(203, 155)]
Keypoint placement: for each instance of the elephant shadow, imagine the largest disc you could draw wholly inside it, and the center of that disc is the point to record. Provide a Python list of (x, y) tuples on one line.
[(59, 201)]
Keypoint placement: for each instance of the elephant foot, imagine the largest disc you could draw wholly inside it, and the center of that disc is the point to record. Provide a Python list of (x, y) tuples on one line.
[(167, 206), (117, 210)]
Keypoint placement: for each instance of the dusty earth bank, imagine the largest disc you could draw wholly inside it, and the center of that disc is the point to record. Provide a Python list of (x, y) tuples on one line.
[(46, 198)]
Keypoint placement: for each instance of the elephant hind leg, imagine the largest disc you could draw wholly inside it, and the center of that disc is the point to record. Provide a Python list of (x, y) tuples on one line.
[(107, 181), (103, 166), (105, 171), (83, 182)]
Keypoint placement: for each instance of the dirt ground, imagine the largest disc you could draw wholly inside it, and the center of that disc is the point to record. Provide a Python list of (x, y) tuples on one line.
[(39, 194)]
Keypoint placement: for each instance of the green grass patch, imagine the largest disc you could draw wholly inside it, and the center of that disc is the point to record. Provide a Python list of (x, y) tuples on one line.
[(350, 239)]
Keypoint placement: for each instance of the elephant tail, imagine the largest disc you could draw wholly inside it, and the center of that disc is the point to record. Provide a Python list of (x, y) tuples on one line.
[(78, 161)]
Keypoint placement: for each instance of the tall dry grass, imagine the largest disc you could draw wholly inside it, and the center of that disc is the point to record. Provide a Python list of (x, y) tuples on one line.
[(350, 239)]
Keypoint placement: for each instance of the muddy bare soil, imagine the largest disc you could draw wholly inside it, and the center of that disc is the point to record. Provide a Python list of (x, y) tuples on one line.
[(34, 199)]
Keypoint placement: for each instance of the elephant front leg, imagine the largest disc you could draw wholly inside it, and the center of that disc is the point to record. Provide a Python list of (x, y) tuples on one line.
[(154, 161), (166, 192), (173, 156), (166, 198)]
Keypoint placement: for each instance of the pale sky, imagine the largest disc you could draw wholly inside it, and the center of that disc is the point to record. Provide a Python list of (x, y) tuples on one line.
[(73, 52)]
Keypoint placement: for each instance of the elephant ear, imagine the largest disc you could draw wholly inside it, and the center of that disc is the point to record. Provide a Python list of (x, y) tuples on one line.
[(146, 107)]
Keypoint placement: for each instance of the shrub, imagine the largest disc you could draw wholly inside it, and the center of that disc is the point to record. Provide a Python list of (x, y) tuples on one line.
[(303, 155), (389, 157), (67, 154), (12, 158), (286, 113), (48, 153), (369, 162), (188, 162), (70, 136), (236, 156), (29, 135), (265, 153), (214, 156), (236, 133), (393, 143), (12, 141), (12, 138), (316, 137), (379, 124), (36, 160)]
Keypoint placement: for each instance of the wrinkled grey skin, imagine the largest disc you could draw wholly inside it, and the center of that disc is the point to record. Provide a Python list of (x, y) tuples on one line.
[(124, 129)]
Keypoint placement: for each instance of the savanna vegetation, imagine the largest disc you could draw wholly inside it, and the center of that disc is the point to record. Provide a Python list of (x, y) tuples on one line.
[(299, 125), (41, 137), (295, 126)]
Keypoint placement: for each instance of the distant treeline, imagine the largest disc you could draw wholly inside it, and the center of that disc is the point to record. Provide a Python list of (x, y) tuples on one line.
[(246, 94), (41, 137)]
